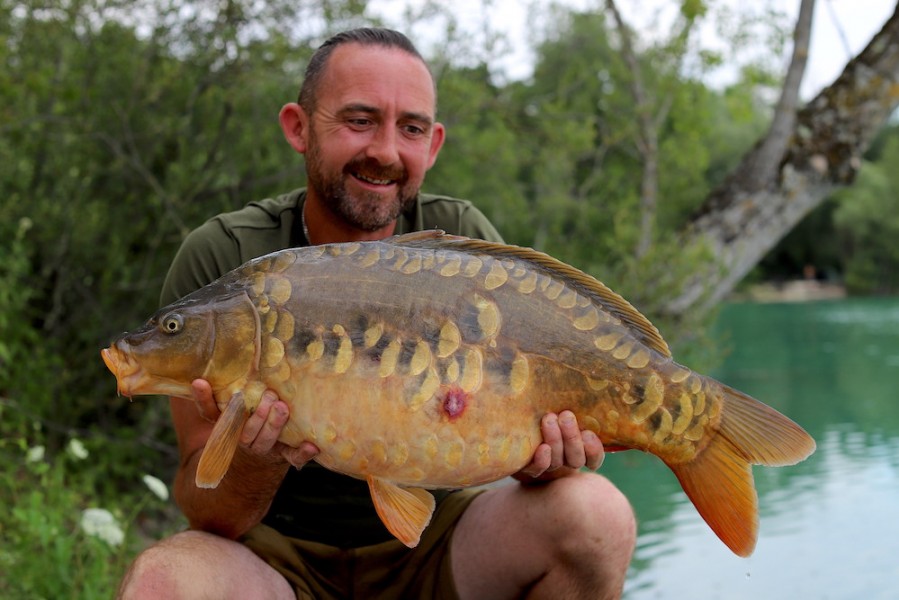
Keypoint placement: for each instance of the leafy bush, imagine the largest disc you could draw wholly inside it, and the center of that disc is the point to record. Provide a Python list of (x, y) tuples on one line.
[(62, 536)]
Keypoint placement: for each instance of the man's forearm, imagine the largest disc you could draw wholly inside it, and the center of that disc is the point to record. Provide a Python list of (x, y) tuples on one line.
[(240, 500)]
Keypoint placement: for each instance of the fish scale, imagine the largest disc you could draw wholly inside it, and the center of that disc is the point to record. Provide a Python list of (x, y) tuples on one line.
[(427, 361)]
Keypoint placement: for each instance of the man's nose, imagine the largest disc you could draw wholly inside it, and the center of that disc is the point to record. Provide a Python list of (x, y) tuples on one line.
[(383, 146)]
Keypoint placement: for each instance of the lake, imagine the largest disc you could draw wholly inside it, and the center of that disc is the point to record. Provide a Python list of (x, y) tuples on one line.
[(830, 525)]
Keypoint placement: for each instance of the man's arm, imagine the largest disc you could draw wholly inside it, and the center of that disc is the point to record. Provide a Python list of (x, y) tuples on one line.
[(259, 466), (244, 495)]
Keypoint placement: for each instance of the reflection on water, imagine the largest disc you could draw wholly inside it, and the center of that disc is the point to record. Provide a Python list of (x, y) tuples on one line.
[(830, 525)]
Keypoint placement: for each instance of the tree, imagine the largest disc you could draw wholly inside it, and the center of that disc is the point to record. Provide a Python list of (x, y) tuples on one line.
[(651, 115), (115, 141), (741, 220), (615, 144)]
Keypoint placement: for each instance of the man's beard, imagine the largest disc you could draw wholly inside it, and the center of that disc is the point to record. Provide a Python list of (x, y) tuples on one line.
[(368, 211)]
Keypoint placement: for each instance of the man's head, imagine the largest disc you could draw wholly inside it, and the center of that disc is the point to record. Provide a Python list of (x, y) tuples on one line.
[(366, 123), (364, 36)]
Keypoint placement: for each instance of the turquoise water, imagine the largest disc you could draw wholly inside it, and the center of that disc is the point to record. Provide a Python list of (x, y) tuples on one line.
[(830, 525)]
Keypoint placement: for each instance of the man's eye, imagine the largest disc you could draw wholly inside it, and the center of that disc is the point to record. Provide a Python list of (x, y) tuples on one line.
[(414, 130), (359, 122)]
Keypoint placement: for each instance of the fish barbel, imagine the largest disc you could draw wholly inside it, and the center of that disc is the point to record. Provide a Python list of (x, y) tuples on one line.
[(427, 361)]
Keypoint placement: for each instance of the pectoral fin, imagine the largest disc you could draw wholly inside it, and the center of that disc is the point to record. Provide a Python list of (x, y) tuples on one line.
[(405, 511), (222, 443)]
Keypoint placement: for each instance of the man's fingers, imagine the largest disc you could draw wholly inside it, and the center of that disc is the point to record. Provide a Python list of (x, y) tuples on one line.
[(573, 445), (202, 397), (593, 449), (301, 455), (256, 420), (552, 437), (263, 427), (540, 462)]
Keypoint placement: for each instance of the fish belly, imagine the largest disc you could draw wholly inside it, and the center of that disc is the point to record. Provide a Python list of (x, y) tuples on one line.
[(377, 427)]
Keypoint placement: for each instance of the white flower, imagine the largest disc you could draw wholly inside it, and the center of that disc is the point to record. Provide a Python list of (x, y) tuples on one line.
[(76, 449), (100, 523), (35, 454), (156, 486)]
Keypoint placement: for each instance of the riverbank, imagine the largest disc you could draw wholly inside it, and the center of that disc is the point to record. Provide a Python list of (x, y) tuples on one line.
[(799, 290)]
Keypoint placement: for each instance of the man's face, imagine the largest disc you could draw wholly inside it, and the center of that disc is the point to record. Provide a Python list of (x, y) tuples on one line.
[(372, 136)]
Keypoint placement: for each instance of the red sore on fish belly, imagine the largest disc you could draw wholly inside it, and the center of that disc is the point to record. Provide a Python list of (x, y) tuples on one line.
[(455, 403)]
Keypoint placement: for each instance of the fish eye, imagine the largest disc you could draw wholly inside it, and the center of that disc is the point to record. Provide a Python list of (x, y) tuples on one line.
[(172, 323)]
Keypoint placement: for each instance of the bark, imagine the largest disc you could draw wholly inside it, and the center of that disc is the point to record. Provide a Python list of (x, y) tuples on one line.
[(741, 221), (761, 165)]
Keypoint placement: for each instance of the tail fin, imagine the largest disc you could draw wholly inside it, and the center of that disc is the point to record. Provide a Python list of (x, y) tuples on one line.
[(719, 480)]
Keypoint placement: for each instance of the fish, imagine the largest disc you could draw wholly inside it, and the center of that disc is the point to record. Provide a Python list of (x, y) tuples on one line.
[(426, 361)]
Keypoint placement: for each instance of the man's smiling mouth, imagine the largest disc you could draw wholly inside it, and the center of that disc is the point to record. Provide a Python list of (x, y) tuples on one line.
[(372, 180)]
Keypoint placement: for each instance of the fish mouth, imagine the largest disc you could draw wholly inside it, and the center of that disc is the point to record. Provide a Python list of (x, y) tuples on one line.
[(123, 369), (110, 360), (133, 379)]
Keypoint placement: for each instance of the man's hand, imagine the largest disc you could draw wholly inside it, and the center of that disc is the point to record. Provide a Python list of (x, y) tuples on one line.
[(261, 431), (565, 449)]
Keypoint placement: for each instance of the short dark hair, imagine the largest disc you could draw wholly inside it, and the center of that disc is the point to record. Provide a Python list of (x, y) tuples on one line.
[(367, 36)]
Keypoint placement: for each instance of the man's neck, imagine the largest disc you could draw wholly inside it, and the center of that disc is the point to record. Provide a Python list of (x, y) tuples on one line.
[(321, 226)]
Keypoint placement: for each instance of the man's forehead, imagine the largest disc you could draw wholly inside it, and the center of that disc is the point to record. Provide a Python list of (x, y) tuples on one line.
[(354, 69), (359, 52)]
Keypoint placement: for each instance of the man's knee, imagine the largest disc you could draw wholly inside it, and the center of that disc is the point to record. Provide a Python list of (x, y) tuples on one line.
[(591, 505), (193, 564), (153, 574)]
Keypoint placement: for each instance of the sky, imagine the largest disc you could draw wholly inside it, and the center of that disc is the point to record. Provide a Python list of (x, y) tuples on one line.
[(841, 29)]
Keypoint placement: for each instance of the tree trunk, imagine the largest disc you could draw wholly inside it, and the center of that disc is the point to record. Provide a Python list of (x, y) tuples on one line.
[(760, 167), (741, 221), (647, 135)]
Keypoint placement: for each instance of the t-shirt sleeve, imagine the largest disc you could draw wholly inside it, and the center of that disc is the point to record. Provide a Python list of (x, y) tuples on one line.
[(207, 253), (455, 216), (474, 224)]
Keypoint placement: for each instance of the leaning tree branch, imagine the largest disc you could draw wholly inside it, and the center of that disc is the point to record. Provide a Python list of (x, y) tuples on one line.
[(740, 223)]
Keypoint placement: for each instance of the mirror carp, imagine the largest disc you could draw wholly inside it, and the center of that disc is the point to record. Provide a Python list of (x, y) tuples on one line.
[(427, 361)]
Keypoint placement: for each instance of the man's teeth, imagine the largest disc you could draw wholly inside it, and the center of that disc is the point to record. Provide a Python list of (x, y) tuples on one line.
[(373, 181)]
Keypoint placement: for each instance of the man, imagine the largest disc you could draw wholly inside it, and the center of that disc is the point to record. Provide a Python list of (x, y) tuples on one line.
[(366, 124)]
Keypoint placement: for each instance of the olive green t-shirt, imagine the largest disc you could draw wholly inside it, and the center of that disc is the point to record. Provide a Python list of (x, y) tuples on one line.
[(313, 503)]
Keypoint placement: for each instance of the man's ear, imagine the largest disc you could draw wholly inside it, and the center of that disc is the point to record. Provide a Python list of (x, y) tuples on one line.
[(294, 125), (438, 136)]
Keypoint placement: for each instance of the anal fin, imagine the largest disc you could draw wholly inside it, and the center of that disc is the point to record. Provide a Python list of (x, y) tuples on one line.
[(404, 511), (222, 443)]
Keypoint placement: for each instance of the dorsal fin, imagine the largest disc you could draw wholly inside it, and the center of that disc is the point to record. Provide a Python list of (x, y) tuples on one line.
[(582, 282), (407, 239)]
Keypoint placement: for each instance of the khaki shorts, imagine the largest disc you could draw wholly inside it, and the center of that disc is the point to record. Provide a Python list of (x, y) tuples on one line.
[(389, 570)]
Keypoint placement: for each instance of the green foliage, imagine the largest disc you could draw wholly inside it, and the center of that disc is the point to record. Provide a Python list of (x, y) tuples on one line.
[(113, 144), (119, 145), (866, 221), (479, 159), (51, 544)]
